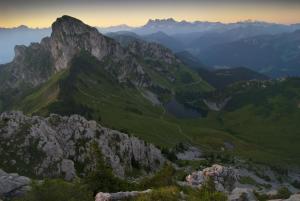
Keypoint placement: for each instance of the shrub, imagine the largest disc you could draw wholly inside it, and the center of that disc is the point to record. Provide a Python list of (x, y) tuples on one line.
[(296, 184), (170, 193), (162, 178), (206, 193), (283, 193), (57, 190)]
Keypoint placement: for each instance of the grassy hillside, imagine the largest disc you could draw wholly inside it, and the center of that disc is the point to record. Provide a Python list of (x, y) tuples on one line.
[(267, 116), (89, 90), (260, 121)]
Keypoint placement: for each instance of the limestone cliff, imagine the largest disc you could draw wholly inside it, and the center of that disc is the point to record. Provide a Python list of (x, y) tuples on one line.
[(61, 147)]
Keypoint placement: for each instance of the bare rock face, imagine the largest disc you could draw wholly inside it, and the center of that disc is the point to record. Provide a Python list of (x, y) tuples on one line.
[(12, 185), (61, 146), (70, 36), (223, 177), (191, 153), (153, 51)]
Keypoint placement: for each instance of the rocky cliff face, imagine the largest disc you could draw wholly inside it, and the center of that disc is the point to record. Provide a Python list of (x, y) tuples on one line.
[(70, 36), (62, 147)]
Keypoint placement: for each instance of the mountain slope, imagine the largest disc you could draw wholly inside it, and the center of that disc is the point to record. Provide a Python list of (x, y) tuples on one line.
[(265, 113)]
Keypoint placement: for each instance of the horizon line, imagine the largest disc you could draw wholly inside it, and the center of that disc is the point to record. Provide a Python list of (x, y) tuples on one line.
[(159, 19)]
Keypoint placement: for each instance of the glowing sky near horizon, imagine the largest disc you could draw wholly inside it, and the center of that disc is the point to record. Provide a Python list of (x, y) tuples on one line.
[(41, 13)]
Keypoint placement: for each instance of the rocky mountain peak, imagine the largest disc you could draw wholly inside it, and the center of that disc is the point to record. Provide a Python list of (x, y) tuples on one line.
[(160, 22), (70, 26), (70, 36)]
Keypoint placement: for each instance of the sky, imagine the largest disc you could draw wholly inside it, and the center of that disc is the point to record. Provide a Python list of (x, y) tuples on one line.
[(104, 13)]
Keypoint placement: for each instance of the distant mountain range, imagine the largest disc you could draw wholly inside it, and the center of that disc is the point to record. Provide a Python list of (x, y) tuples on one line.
[(215, 44), (171, 26), (275, 55)]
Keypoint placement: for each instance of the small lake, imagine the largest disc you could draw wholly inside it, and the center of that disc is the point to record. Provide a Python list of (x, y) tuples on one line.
[(181, 111)]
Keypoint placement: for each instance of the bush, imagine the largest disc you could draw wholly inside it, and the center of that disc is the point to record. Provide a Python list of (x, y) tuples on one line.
[(170, 193), (283, 193), (162, 178), (58, 190), (206, 193), (296, 184)]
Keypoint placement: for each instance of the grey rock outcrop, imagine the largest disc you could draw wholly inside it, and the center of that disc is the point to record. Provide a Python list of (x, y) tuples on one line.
[(61, 146), (119, 195), (12, 185), (224, 178), (216, 106), (191, 153)]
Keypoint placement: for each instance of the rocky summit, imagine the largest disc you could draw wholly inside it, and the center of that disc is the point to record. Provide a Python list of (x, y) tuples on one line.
[(70, 36), (62, 147)]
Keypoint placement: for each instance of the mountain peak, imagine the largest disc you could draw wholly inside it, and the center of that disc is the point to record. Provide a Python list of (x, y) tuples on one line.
[(161, 21), (70, 26), (22, 27), (70, 36)]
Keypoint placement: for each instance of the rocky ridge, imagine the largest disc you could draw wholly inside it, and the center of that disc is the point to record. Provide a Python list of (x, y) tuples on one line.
[(62, 147)]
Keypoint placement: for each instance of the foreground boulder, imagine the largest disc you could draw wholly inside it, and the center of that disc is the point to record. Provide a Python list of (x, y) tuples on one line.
[(63, 146), (224, 178), (119, 196), (12, 185)]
